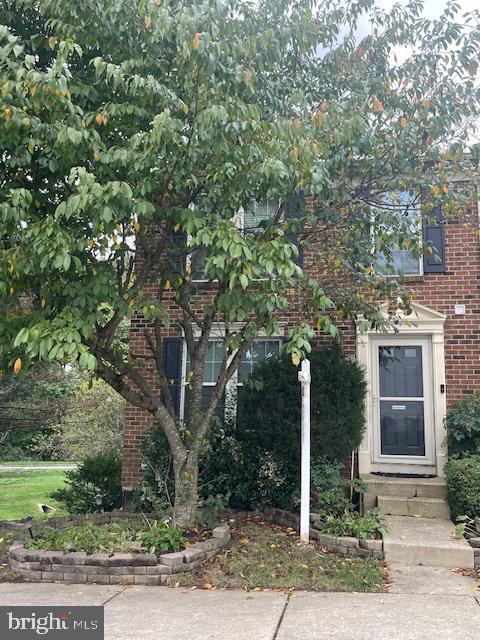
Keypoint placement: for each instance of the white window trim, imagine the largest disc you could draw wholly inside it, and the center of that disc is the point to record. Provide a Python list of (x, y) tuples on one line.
[(420, 245)]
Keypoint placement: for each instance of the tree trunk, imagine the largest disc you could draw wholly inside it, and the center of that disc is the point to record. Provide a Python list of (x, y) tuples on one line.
[(186, 490)]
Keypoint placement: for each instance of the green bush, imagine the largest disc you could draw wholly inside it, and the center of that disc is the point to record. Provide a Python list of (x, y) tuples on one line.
[(463, 486), (269, 407), (330, 493), (257, 461), (351, 524), (94, 486), (463, 427)]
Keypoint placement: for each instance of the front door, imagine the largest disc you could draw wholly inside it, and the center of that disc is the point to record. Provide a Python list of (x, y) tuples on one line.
[(403, 408)]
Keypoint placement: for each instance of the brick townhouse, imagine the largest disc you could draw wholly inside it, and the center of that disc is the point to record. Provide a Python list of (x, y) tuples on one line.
[(413, 375)]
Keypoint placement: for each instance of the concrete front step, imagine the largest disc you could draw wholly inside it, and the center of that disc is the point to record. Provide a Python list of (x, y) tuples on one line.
[(402, 488), (424, 507), (425, 541), (406, 487)]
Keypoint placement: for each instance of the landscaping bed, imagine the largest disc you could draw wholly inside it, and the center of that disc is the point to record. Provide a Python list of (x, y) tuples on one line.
[(269, 556), (122, 552)]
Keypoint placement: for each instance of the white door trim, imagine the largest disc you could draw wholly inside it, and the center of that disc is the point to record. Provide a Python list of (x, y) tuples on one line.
[(422, 323), (429, 426)]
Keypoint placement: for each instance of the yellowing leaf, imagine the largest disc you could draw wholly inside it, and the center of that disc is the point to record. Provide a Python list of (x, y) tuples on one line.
[(17, 367), (377, 105), (52, 42), (295, 359), (33, 90), (43, 302), (176, 227), (101, 118), (167, 285), (436, 190), (136, 226), (196, 41), (185, 108), (90, 243), (320, 118), (148, 22), (7, 113)]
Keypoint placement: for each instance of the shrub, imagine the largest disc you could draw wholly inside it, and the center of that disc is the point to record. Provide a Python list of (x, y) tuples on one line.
[(270, 408), (257, 461), (260, 465), (330, 493), (351, 524), (463, 427), (94, 486), (463, 486)]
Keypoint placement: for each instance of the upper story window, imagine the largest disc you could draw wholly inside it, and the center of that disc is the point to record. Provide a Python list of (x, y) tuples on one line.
[(258, 212), (249, 220), (396, 210)]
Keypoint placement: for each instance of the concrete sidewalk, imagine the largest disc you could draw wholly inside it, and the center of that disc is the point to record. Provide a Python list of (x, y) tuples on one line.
[(422, 604)]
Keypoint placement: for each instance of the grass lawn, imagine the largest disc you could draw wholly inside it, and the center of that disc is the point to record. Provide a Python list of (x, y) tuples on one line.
[(22, 490), (35, 463), (266, 556)]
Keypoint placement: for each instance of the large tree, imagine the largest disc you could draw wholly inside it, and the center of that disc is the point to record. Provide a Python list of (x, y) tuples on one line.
[(134, 131)]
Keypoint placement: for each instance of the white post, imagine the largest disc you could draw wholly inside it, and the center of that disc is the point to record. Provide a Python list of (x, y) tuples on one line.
[(304, 378)]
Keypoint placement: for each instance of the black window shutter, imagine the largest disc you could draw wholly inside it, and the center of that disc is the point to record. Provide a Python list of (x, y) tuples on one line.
[(172, 367), (294, 209), (434, 237), (178, 251)]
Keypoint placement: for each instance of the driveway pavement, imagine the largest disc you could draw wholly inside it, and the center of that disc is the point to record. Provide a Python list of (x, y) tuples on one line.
[(422, 604)]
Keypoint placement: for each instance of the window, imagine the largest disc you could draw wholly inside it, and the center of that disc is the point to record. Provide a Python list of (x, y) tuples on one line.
[(397, 210), (257, 213), (261, 350), (249, 220)]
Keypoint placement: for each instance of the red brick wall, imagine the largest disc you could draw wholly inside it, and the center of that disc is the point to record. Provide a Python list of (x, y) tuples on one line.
[(459, 285)]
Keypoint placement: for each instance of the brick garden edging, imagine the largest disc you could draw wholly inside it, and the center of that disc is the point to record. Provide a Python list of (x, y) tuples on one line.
[(21, 530), (342, 545), (36, 565), (475, 543)]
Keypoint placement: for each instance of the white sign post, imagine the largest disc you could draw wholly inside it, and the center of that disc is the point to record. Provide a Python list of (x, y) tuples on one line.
[(304, 378)]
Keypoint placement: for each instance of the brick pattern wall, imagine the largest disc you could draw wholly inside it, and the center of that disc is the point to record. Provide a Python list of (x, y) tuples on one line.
[(440, 291)]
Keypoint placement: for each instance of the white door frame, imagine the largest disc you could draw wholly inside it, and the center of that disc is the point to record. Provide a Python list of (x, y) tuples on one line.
[(423, 323), (429, 428)]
